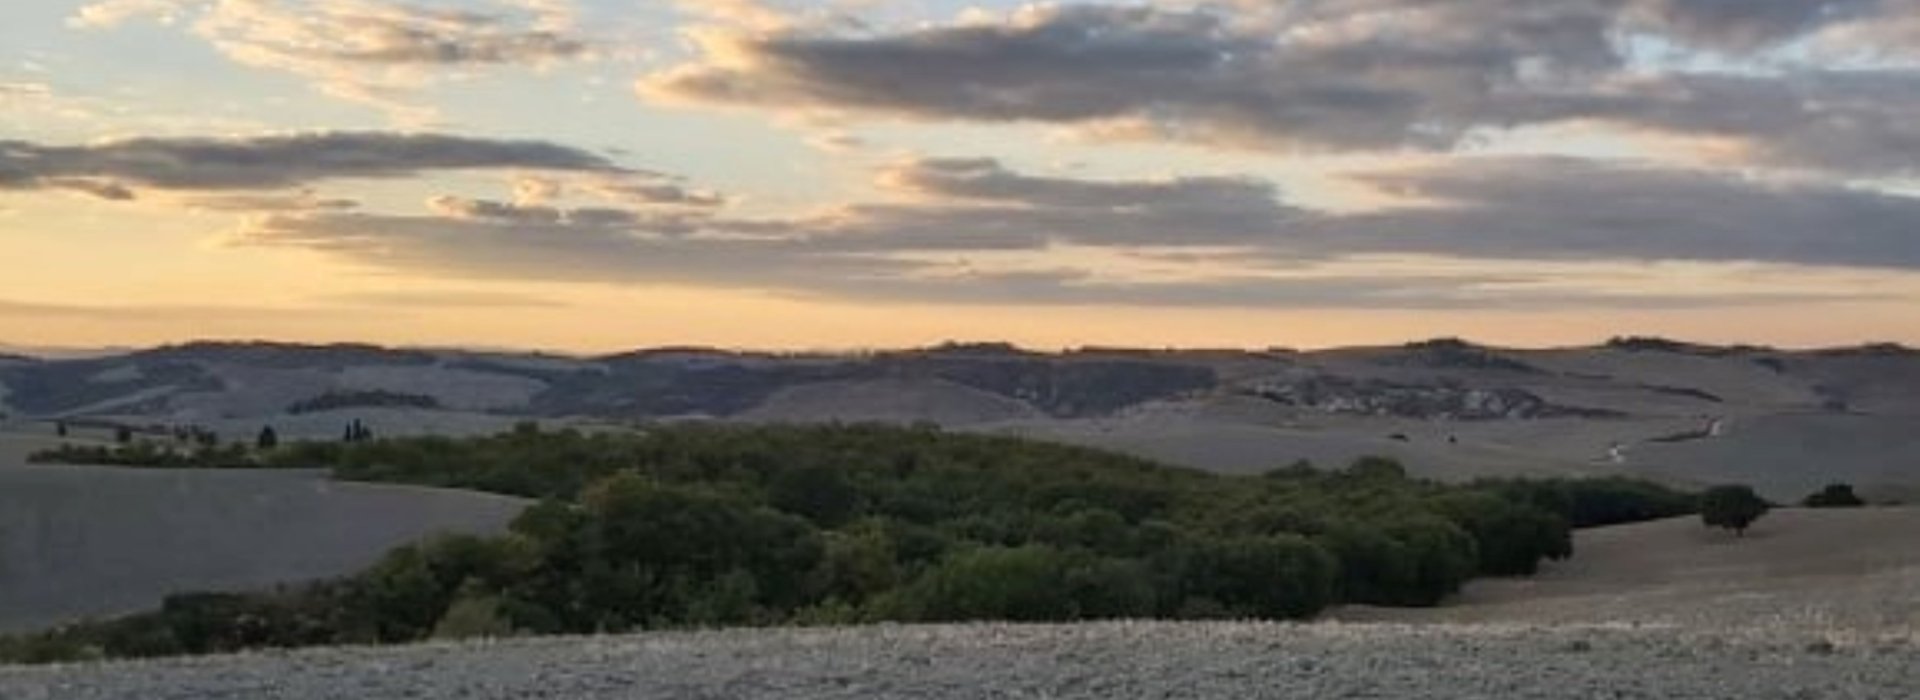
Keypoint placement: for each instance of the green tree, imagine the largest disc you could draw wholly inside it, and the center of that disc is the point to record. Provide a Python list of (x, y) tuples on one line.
[(268, 439), (820, 494), (1733, 507), (1511, 538), (1270, 577)]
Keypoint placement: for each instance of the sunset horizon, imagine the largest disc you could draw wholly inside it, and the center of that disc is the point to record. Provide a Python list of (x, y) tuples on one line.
[(588, 176)]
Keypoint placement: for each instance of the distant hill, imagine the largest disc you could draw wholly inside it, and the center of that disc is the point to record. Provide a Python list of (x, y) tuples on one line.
[(1686, 412)]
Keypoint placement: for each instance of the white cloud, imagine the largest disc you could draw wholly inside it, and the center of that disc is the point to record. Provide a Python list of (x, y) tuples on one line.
[(369, 51)]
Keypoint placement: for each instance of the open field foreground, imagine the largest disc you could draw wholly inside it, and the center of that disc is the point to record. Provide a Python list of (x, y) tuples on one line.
[(1108, 660)]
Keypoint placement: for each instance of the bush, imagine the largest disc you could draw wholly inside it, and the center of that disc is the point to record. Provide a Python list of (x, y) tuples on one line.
[(995, 583), (1834, 496)]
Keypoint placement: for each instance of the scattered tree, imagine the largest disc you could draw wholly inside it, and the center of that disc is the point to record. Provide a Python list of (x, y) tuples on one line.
[(60, 428), (268, 439), (123, 435), (1733, 507)]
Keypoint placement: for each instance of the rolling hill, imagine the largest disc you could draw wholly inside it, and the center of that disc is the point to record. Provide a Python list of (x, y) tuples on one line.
[(1785, 421)]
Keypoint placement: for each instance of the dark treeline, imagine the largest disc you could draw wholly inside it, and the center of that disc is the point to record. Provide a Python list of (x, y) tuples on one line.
[(707, 525)]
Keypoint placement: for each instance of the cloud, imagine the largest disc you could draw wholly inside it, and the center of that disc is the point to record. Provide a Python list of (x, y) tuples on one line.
[(118, 169), (987, 180), (1559, 208), (444, 299), (1513, 233), (1748, 25), (23, 90), (156, 313), (1347, 75), (368, 51), (1169, 74), (1843, 121), (255, 203), (657, 191)]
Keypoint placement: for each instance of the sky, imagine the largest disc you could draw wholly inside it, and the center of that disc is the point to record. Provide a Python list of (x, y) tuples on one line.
[(598, 175)]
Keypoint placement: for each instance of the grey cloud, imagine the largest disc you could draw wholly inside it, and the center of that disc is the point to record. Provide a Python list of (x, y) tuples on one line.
[(1488, 210), (402, 35), (564, 251), (541, 215), (1341, 75), (305, 201), (1188, 75), (1746, 25), (114, 169), (655, 192), (1839, 120), (1556, 208), (492, 249), (988, 180)]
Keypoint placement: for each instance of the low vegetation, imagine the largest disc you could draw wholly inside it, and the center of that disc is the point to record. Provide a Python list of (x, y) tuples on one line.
[(1834, 496), (707, 525), (155, 454), (336, 400)]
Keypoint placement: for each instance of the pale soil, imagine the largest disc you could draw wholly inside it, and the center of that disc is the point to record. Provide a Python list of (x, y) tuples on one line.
[(1092, 661)]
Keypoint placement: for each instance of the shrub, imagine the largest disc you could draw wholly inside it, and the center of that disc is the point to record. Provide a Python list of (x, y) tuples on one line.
[(1834, 496)]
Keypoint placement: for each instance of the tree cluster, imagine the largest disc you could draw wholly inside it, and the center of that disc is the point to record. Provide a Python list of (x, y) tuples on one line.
[(706, 525)]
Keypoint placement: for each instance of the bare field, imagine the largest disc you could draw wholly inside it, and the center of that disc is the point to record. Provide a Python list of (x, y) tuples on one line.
[(80, 542), (1829, 571)]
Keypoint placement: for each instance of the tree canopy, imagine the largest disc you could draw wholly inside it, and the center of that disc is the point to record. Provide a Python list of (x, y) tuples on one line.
[(1732, 507)]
